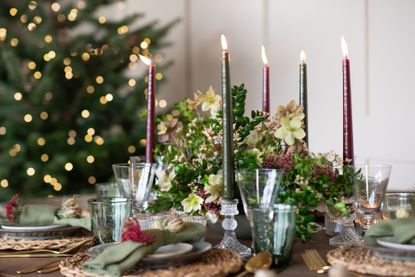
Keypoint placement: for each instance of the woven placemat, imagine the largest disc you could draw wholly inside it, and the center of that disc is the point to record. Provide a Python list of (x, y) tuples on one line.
[(362, 260), (216, 262), (56, 244)]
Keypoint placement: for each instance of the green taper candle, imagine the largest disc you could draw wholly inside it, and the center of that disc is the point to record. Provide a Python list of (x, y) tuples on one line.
[(228, 163), (303, 92)]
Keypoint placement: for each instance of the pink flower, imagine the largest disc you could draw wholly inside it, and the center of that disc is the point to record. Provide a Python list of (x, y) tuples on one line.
[(12, 208), (132, 231), (285, 162)]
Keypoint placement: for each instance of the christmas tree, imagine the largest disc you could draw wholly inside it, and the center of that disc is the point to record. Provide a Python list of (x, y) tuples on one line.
[(68, 109)]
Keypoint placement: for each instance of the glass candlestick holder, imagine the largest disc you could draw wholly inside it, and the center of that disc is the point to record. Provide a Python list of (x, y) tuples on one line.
[(229, 208)]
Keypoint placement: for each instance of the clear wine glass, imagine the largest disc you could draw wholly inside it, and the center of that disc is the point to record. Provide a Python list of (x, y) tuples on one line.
[(134, 181), (369, 186)]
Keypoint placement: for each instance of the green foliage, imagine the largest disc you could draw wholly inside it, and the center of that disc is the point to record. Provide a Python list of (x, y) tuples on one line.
[(54, 103)]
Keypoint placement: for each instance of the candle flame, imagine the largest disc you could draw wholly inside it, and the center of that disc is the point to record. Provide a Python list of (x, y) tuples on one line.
[(224, 42), (264, 56), (145, 60), (344, 48), (302, 56)]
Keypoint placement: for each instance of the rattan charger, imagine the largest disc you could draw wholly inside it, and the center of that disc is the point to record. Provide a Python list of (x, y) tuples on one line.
[(54, 244), (216, 262), (362, 260)]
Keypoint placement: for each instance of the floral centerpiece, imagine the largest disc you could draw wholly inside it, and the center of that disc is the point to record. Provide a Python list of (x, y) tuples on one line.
[(190, 139)]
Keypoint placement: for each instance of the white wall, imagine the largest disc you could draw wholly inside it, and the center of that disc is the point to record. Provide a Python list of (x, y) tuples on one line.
[(380, 37)]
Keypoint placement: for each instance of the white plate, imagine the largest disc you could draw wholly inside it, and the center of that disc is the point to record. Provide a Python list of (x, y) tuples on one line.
[(390, 243), (171, 250), (32, 228)]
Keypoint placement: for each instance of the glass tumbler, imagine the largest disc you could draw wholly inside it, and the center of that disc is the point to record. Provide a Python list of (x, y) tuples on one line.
[(398, 205), (274, 231), (283, 233), (107, 218)]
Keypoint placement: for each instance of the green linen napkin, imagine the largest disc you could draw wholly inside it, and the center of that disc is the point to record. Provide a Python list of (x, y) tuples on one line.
[(402, 229), (36, 215), (121, 257)]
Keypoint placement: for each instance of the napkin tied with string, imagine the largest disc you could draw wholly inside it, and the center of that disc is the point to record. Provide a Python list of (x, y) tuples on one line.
[(124, 256)]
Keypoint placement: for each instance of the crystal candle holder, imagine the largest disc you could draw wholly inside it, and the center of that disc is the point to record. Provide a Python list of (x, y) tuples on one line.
[(229, 208)]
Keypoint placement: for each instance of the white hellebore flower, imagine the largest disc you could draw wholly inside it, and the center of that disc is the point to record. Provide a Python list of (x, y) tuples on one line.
[(192, 203), (258, 155), (290, 129), (253, 138), (215, 186), (164, 181), (210, 101)]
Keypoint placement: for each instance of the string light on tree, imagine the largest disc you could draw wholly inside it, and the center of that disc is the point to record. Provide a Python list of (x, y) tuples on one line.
[(68, 166), (18, 96), (57, 113), (90, 159), (30, 171), (4, 183), (44, 158)]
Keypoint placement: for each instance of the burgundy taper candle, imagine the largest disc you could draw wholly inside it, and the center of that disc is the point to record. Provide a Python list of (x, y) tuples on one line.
[(265, 82), (348, 152), (150, 109)]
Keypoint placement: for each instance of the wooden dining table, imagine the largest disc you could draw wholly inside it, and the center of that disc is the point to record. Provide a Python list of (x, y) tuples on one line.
[(319, 241)]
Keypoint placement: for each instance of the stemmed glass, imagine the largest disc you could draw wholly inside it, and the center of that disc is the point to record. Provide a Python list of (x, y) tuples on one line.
[(134, 181), (258, 188), (369, 191), (369, 187)]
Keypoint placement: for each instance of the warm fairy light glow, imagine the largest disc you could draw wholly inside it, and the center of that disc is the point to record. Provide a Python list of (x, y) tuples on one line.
[(44, 158), (3, 34), (131, 149), (57, 186), (145, 60), (31, 26), (14, 42), (90, 159), (3, 131), (109, 97), (18, 96), (30, 171), (88, 138), (131, 82), (13, 11), (4, 183), (27, 117), (68, 166), (224, 42), (92, 180), (70, 141), (41, 141), (99, 79), (85, 113), (99, 140), (344, 48), (102, 19), (264, 55), (302, 56), (162, 103), (37, 75), (55, 7)]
